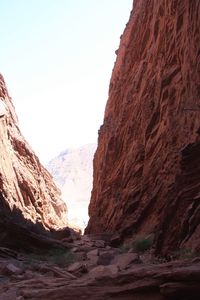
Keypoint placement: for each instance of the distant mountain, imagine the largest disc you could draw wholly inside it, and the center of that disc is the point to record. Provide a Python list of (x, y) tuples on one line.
[(72, 170)]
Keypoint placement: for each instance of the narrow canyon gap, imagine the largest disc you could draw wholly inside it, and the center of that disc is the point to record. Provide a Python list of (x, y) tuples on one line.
[(146, 179)]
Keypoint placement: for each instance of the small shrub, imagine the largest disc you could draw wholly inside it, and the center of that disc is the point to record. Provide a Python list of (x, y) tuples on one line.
[(60, 257), (159, 260), (57, 256), (124, 248), (185, 253), (32, 259), (143, 243)]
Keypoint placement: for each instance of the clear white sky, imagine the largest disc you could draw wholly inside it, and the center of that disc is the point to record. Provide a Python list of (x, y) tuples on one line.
[(57, 57)]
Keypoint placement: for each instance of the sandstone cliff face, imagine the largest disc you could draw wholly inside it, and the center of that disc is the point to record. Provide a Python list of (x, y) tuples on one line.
[(25, 185), (146, 177)]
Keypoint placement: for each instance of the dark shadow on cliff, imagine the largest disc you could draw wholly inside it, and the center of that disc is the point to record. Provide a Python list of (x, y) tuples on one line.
[(181, 214), (22, 235)]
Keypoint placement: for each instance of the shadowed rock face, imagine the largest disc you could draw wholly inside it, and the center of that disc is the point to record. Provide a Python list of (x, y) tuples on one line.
[(144, 179), (24, 183)]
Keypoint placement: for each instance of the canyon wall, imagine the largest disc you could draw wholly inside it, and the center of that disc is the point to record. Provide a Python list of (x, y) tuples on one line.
[(26, 187), (146, 168)]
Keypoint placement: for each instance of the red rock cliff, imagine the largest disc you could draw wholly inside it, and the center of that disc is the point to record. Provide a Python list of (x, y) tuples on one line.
[(24, 183), (146, 173)]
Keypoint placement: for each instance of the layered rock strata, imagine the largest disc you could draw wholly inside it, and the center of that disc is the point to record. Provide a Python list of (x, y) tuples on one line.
[(146, 176), (26, 187)]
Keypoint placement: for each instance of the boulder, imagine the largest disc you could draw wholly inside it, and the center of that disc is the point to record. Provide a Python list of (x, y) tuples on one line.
[(123, 261), (99, 244), (77, 267), (103, 271), (11, 269), (94, 252), (106, 257)]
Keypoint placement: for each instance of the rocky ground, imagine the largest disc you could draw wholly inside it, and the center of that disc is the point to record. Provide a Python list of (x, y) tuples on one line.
[(89, 267)]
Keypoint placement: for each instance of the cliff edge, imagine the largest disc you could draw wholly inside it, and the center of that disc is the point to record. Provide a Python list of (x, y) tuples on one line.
[(26, 187)]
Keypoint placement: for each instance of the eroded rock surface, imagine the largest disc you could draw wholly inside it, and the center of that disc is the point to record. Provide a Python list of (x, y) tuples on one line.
[(78, 277), (144, 180), (26, 187)]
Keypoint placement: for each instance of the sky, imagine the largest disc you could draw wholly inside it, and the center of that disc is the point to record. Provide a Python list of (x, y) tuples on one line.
[(57, 57)]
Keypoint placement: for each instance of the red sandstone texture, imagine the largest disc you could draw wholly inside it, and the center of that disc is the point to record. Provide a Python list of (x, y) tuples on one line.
[(25, 185), (147, 166)]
